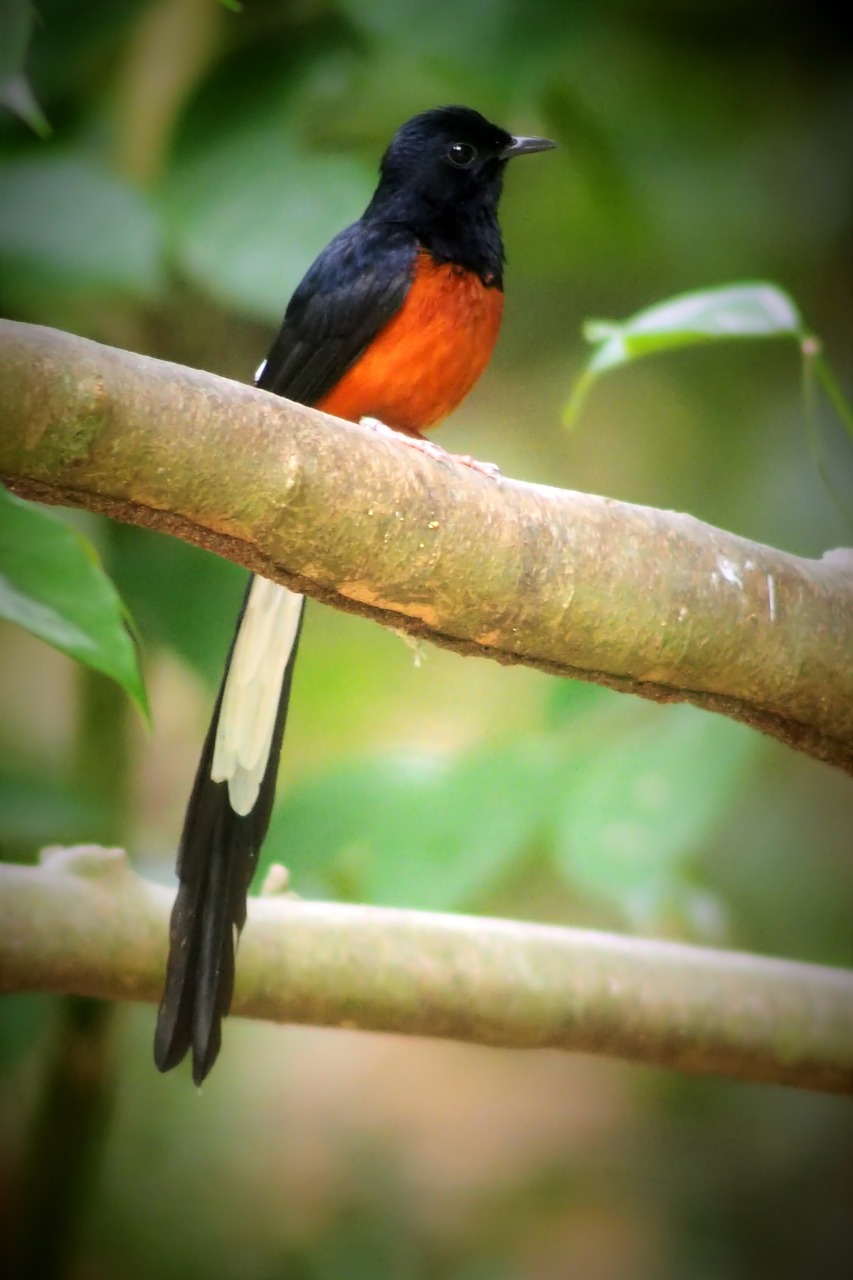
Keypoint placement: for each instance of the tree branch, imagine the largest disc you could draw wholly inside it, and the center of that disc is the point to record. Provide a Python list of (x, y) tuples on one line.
[(84, 923), (645, 601)]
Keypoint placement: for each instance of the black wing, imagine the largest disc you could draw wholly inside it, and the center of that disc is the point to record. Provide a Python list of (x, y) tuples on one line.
[(356, 285)]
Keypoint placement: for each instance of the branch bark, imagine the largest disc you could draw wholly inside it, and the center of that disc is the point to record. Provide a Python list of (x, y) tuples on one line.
[(85, 924), (645, 601)]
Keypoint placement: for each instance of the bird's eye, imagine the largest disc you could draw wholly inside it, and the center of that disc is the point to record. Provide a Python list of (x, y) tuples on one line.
[(462, 154)]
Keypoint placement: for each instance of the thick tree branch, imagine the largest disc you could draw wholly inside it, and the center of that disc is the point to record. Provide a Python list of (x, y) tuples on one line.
[(84, 923), (646, 601)]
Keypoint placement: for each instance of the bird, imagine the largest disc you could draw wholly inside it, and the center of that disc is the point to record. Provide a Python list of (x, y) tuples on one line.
[(394, 323)]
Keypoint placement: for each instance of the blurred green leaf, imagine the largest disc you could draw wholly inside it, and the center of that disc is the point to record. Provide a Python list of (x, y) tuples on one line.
[(474, 31), (625, 798), (817, 373), (251, 210), (74, 43), (448, 839), (52, 584), (753, 310), (416, 830), (16, 22), (68, 223), (16, 93), (180, 596), (326, 829), (817, 368), (497, 45), (645, 803)]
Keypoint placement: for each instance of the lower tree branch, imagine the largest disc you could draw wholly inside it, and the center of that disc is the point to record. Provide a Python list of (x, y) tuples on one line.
[(649, 602), (85, 923)]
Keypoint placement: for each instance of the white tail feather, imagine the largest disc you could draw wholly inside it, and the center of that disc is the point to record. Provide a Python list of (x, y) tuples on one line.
[(252, 688)]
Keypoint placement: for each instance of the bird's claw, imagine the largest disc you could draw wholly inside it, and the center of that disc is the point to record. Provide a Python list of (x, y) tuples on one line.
[(433, 450)]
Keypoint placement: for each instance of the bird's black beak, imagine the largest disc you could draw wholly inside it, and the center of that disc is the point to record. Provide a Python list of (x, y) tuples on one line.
[(521, 146)]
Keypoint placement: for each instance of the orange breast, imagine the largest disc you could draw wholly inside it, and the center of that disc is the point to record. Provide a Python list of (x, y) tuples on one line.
[(426, 360)]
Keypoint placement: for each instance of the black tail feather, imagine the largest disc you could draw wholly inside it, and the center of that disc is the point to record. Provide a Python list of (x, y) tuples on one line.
[(217, 858)]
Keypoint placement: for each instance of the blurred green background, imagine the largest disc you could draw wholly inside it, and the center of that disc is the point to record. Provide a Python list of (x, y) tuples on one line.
[(199, 159)]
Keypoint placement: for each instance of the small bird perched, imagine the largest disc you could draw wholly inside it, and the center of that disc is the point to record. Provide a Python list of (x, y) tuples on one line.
[(395, 321)]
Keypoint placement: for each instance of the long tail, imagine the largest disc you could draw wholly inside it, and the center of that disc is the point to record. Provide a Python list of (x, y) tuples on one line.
[(225, 825)]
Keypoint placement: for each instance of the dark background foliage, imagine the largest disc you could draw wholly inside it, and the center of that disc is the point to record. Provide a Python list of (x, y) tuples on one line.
[(198, 159)]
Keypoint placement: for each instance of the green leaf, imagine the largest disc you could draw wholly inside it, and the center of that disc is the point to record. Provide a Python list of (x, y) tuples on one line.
[(52, 584), (816, 366), (181, 596), (818, 374), (419, 830), (624, 798), (326, 830), (16, 93), (251, 250), (68, 223), (456, 834), (753, 310), (16, 24), (642, 805)]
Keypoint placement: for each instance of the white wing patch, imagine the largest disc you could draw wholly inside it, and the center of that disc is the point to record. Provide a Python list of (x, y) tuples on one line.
[(259, 372), (252, 689)]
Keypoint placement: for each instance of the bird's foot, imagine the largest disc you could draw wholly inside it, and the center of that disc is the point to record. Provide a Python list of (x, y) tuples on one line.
[(431, 449)]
